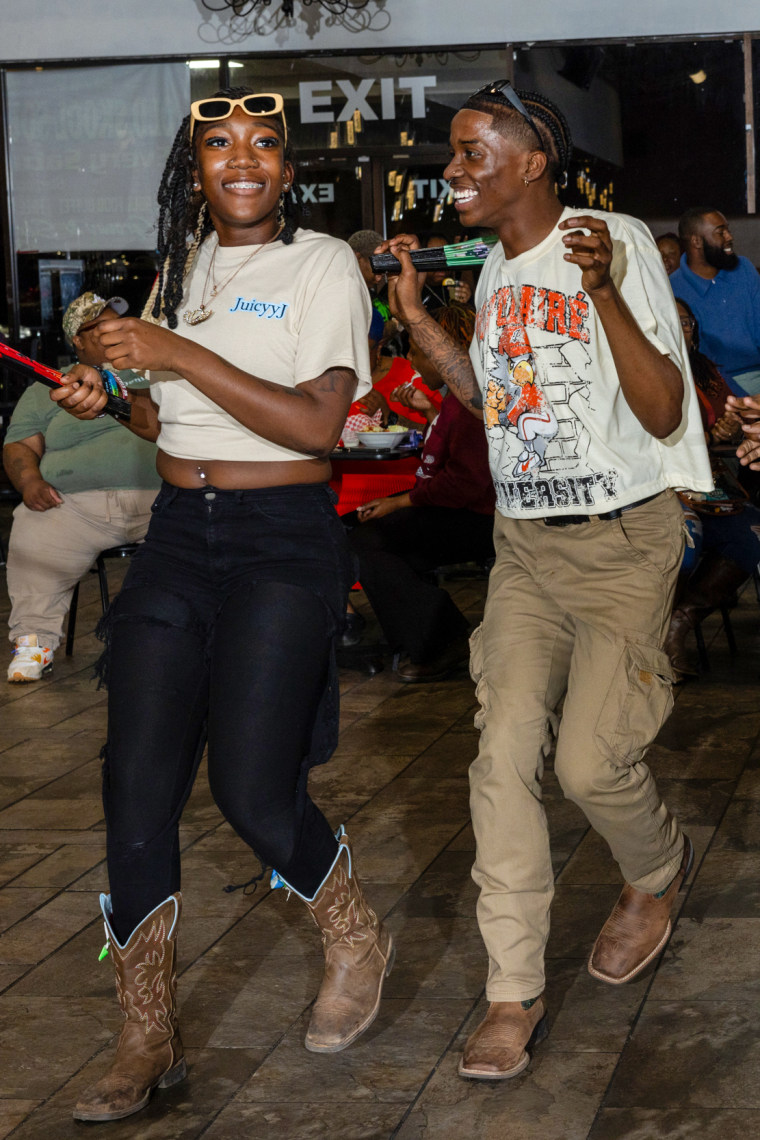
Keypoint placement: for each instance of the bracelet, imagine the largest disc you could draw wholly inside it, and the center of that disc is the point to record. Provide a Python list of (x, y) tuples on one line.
[(113, 384)]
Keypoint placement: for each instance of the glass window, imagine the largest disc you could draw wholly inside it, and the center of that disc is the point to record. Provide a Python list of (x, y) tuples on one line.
[(87, 148), (658, 127)]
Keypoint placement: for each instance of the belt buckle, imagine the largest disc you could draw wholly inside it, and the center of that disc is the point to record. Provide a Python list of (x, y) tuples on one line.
[(565, 520)]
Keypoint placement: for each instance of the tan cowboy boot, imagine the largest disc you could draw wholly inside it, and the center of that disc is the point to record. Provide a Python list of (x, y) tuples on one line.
[(498, 1049), (359, 955), (638, 928), (149, 1052)]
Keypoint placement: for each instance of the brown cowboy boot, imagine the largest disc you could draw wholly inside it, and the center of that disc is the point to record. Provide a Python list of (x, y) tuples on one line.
[(149, 1052), (638, 928), (498, 1049), (359, 955)]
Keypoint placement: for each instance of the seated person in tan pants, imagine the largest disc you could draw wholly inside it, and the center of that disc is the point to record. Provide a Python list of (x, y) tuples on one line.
[(86, 485)]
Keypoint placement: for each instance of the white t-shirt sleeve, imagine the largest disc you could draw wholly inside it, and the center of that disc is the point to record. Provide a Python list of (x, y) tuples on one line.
[(639, 274), (333, 326)]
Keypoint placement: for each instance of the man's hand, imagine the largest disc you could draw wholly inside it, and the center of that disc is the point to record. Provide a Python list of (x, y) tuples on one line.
[(747, 408), (592, 252), (651, 382), (39, 495), (405, 288), (376, 508)]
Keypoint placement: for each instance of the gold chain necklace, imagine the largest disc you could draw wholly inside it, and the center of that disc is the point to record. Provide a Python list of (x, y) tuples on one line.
[(201, 314)]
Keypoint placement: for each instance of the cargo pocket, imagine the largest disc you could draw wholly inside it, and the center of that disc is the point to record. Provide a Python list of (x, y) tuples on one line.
[(639, 701), (476, 672)]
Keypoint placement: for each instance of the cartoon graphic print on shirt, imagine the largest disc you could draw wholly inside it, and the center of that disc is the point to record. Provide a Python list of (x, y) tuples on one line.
[(535, 388)]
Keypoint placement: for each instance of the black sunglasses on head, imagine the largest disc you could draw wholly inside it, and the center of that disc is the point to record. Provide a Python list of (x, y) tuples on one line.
[(503, 91)]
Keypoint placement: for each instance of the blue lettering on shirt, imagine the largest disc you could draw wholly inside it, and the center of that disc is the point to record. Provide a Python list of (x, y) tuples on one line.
[(269, 309)]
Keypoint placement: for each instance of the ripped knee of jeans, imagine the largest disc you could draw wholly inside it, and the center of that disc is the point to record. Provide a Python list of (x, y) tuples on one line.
[(145, 605)]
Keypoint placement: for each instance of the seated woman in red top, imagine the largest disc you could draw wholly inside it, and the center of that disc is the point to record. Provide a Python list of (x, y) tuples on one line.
[(446, 517)]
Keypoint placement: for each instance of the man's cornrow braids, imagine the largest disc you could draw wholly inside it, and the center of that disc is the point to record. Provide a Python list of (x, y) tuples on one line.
[(549, 116)]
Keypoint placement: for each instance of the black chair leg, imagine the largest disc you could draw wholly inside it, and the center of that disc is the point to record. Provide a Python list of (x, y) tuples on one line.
[(103, 582), (72, 621), (725, 613), (704, 660), (99, 568)]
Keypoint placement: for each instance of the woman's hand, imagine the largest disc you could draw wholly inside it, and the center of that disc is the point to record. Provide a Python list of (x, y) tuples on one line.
[(726, 428), (133, 343), (376, 508), (592, 252), (81, 393), (412, 397)]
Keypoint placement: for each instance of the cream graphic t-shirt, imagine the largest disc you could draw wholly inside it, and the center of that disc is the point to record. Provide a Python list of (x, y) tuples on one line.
[(293, 312), (561, 436)]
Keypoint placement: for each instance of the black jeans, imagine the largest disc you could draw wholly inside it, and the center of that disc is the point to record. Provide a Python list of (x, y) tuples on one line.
[(396, 552), (223, 632)]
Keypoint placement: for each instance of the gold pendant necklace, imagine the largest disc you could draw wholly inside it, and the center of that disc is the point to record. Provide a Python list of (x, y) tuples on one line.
[(201, 314)]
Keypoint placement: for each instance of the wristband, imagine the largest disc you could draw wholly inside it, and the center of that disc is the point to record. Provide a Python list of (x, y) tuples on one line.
[(114, 385)]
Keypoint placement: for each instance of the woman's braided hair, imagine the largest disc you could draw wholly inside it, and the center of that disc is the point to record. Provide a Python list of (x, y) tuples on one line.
[(182, 213), (550, 123)]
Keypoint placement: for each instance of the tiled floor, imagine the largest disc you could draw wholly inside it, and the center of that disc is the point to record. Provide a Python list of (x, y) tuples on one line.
[(676, 1054)]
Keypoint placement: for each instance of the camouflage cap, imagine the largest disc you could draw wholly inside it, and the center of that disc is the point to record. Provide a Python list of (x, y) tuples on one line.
[(86, 308)]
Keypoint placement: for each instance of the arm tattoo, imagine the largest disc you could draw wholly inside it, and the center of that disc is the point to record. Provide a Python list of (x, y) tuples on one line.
[(451, 360), (340, 380), (19, 461)]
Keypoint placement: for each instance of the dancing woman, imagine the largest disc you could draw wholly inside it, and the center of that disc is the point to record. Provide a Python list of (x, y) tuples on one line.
[(256, 345)]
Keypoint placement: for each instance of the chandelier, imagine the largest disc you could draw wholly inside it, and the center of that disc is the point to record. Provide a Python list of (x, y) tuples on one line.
[(244, 8)]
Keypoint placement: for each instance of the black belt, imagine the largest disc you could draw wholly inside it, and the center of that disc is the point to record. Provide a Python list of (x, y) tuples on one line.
[(572, 520)]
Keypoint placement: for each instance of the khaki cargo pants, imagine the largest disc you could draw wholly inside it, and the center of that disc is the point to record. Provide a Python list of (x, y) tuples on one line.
[(578, 612)]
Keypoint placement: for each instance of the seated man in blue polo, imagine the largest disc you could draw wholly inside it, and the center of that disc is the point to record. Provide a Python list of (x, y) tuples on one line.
[(723, 291)]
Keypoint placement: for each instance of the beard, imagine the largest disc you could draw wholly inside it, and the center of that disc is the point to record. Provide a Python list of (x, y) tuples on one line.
[(717, 257)]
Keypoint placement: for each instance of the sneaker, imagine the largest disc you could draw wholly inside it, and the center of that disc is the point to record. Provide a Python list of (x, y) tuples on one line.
[(30, 660)]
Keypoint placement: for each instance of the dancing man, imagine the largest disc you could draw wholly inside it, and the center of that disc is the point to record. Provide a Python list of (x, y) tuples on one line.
[(588, 538)]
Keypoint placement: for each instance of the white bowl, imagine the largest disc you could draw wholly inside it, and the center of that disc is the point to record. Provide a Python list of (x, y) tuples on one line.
[(381, 439)]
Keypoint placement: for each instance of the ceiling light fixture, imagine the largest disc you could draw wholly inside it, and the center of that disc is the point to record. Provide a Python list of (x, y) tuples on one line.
[(244, 8)]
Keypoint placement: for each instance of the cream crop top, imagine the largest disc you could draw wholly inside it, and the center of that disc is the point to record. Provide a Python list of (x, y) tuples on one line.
[(293, 312)]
